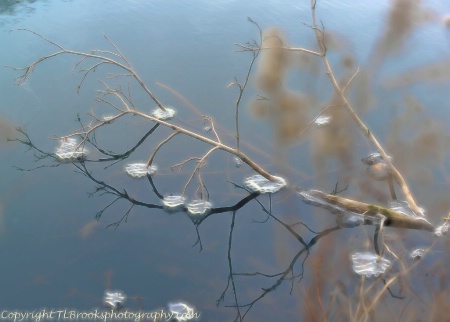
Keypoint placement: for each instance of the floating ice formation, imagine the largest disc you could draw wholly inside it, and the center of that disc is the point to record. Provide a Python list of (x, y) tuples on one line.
[(207, 128), (182, 311), (349, 220), (322, 120), (114, 299), (404, 208), (107, 118), (377, 168), (237, 162), (417, 253), (140, 170), (166, 115), (173, 203), (66, 151), (373, 158), (441, 230), (369, 264), (199, 207), (258, 183)]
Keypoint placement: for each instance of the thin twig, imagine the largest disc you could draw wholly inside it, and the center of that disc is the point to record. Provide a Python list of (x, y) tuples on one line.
[(150, 160)]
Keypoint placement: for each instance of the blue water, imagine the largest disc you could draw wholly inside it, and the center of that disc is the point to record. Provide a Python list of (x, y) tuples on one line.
[(46, 261)]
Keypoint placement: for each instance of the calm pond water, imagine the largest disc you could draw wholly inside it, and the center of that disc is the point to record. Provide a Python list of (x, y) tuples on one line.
[(56, 255)]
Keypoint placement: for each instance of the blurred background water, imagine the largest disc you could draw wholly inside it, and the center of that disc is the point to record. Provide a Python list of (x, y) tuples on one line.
[(53, 252)]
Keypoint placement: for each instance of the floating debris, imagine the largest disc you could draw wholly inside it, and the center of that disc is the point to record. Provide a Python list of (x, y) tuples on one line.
[(336, 205), (237, 162), (441, 230), (166, 115), (349, 220), (258, 183), (372, 214), (173, 203), (182, 311), (322, 120), (417, 253), (199, 207), (107, 119), (377, 168), (140, 170), (114, 299), (68, 152), (404, 208), (373, 158), (369, 264)]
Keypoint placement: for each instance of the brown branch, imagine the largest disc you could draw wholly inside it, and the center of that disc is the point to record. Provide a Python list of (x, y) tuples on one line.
[(197, 168), (350, 80), (252, 164), (396, 174), (213, 128), (105, 59), (183, 163), (308, 51), (216, 144), (150, 160)]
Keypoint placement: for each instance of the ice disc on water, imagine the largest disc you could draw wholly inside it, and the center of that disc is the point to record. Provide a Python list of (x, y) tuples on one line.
[(199, 207), (377, 168), (140, 170), (417, 253), (114, 299), (349, 220), (107, 119), (181, 311), (369, 264), (258, 183), (173, 203), (237, 162), (322, 120), (404, 208), (164, 115), (441, 230), (373, 158), (66, 151)]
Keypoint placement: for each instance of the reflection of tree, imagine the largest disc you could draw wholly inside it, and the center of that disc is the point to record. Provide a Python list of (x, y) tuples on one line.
[(285, 110), (10, 7), (290, 274)]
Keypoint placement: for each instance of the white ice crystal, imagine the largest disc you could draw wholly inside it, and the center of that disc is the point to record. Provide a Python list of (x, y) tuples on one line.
[(140, 170), (258, 183)]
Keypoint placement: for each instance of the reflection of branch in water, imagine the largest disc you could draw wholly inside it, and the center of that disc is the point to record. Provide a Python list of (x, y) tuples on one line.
[(38, 153), (106, 188), (283, 275), (116, 156)]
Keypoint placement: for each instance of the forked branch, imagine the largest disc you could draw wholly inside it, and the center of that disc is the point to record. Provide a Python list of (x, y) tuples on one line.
[(340, 92)]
